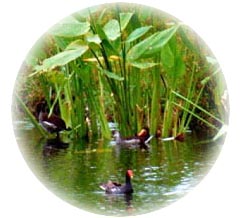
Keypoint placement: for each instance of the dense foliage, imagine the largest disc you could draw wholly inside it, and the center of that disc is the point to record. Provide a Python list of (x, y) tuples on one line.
[(126, 64)]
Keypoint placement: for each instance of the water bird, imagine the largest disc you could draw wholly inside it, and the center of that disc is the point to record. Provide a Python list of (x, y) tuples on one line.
[(117, 188), (143, 137), (52, 123)]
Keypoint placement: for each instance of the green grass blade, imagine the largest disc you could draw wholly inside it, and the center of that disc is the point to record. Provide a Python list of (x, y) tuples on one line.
[(198, 107), (195, 115)]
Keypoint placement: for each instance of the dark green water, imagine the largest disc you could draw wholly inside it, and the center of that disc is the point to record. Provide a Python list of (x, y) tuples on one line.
[(162, 175)]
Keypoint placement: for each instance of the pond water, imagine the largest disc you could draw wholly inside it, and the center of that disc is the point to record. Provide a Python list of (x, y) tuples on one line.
[(162, 175)]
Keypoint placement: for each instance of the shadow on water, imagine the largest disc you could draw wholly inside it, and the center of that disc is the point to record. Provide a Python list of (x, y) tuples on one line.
[(73, 171)]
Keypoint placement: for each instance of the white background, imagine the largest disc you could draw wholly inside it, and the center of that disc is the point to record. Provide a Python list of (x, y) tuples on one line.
[(24, 21)]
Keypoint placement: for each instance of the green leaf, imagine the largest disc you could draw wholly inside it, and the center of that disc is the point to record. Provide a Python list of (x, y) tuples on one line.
[(62, 58), (75, 45), (186, 34), (143, 65), (111, 50), (100, 31), (161, 39), (94, 39), (112, 29), (70, 28), (137, 33), (124, 19), (179, 66), (152, 44), (167, 57), (111, 75), (139, 49), (56, 77), (172, 60)]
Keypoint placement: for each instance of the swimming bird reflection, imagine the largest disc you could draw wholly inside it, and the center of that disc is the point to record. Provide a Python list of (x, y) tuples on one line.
[(121, 199)]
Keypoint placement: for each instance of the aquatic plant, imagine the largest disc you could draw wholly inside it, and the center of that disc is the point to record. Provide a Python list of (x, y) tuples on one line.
[(126, 65)]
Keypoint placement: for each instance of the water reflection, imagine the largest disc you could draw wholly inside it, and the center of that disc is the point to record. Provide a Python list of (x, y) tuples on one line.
[(123, 199), (128, 199)]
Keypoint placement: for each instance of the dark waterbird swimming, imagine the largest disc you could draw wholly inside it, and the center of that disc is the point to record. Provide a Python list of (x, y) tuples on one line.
[(142, 138), (117, 188)]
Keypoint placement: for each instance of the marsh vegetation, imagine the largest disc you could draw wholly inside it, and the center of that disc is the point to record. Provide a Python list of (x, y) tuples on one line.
[(128, 65), (124, 67)]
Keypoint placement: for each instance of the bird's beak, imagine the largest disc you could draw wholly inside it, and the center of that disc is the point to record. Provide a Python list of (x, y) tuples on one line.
[(142, 132)]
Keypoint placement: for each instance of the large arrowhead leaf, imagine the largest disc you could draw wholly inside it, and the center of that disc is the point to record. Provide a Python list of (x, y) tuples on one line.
[(112, 29), (62, 58), (70, 27), (152, 44), (137, 33), (124, 19)]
